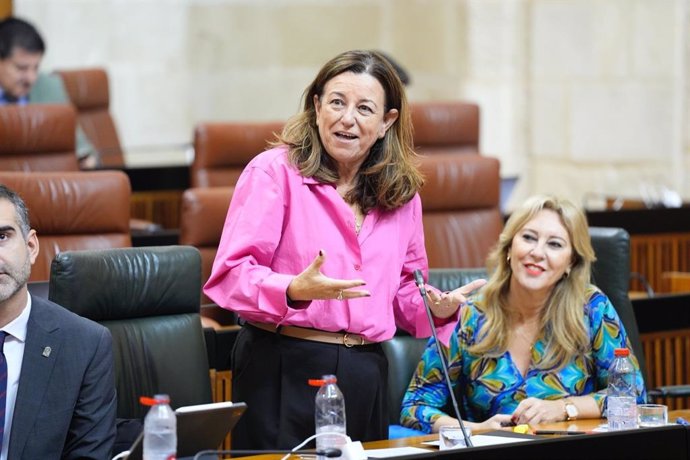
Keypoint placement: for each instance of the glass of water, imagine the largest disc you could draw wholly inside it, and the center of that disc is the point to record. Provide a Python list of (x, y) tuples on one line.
[(652, 414), (450, 437)]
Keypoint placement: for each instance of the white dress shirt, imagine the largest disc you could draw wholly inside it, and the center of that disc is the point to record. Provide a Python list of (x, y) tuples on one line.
[(14, 355)]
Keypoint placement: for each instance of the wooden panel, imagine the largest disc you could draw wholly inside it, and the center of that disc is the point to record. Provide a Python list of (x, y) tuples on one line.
[(161, 207), (5, 8), (668, 362), (221, 384), (676, 281), (652, 255)]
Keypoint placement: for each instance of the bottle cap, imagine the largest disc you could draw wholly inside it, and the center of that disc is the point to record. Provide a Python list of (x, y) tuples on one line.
[(157, 399), (325, 379), (621, 352)]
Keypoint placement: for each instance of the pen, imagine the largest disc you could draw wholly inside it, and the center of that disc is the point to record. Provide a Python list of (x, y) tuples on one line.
[(682, 421), (559, 432)]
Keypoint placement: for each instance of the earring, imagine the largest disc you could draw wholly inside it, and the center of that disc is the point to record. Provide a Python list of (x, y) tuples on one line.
[(508, 258), (567, 273)]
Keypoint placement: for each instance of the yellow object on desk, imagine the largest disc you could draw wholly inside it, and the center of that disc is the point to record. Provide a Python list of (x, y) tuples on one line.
[(521, 429)]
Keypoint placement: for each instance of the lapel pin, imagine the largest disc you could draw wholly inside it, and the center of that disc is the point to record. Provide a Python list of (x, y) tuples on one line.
[(46, 351)]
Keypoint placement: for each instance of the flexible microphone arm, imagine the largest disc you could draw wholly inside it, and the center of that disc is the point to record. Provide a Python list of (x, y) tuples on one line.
[(419, 281), (329, 452)]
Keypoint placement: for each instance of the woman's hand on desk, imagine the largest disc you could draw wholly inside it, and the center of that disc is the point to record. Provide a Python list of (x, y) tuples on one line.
[(311, 284), (533, 411), (497, 422)]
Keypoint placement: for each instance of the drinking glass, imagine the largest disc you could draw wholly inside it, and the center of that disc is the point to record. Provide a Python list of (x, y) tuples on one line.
[(652, 414), (450, 437)]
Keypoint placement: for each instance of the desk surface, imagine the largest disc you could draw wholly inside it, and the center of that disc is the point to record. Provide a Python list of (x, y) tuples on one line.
[(670, 442)]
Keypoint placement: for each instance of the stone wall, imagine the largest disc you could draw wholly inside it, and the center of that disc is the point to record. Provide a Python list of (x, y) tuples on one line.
[(584, 98)]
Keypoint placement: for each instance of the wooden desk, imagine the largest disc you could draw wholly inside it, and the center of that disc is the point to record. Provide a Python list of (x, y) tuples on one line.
[(157, 192), (670, 442)]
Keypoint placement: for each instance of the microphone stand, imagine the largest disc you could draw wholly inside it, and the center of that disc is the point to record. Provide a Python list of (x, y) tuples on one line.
[(419, 281)]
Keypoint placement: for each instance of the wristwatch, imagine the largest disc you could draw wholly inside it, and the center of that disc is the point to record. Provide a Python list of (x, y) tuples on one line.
[(571, 412)]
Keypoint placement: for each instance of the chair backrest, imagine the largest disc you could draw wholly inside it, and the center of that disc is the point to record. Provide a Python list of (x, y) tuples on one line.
[(611, 272), (403, 353), (445, 127), (73, 210), (38, 137), (222, 150), (461, 209), (89, 92), (202, 216), (148, 298)]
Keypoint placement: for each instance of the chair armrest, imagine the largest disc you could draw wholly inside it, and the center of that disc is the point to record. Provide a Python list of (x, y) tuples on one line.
[(669, 391)]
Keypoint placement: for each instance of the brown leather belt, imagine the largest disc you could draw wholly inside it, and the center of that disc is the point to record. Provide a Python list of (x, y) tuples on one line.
[(338, 338)]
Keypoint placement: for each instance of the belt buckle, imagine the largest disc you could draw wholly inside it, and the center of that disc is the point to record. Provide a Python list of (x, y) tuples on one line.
[(351, 344)]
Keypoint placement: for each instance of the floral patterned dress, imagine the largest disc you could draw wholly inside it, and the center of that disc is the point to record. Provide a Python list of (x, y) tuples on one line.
[(491, 385)]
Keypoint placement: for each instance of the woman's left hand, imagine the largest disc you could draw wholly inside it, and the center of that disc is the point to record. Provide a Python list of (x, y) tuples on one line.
[(534, 410), (447, 303)]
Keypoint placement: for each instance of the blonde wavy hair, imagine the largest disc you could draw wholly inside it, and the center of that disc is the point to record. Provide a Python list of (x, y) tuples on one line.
[(389, 177), (562, 322)]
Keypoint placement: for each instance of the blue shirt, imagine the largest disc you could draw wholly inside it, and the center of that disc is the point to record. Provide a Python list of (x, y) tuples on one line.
[(4, 100)]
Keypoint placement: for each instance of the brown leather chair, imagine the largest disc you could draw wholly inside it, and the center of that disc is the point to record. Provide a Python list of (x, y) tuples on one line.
[(73, 210), (461, 214), (222, 150), (444, 127), (202, 216), (22, 149), (88, 89)]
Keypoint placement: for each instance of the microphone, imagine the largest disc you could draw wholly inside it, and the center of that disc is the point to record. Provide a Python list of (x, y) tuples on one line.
[(328, 452), (419, 281)]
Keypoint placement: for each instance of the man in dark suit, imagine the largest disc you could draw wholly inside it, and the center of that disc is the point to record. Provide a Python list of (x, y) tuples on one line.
[(60, 400)]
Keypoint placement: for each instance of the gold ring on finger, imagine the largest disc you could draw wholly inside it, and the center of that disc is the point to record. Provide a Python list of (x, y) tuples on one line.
[(340, 295)]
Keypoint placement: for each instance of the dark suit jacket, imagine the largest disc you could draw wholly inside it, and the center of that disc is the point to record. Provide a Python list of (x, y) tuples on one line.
[(66, 401)]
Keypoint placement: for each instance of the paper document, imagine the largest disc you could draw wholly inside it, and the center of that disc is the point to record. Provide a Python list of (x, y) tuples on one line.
[(479, 440), (395, 452)]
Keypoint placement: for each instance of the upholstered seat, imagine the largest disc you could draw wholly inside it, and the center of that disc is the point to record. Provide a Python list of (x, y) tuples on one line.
[(148, 298), (73, 210), (38, 137), (460, 205), (222, 150), (202, 216), (89, 92), (445, 127)]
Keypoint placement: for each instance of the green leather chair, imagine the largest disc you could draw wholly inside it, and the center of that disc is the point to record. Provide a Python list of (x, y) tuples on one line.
[(148, 297)]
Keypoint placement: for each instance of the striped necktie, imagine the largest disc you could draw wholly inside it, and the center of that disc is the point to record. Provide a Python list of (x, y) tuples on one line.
[(3, 385)]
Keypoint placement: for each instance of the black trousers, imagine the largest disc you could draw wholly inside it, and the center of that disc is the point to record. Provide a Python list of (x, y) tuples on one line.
[(271, 373)]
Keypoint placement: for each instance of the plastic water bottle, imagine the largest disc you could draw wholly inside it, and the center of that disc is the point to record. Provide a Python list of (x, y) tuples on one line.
[(330, 415), (621, 398), (160, 430)]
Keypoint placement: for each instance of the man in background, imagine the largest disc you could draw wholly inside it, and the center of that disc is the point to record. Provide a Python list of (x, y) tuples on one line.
[(21, 52), (57, 383)]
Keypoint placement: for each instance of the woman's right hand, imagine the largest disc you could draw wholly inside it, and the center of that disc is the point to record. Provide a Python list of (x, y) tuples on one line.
[(497, 422), (311, 284)]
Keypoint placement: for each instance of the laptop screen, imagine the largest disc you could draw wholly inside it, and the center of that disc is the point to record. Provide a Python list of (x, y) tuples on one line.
[(201, 427)]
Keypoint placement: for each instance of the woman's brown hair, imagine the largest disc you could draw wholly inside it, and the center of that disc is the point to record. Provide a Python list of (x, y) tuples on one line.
[(388, 177)]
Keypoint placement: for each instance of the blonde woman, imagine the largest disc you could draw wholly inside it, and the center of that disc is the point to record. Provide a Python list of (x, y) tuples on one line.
[(535, 344)]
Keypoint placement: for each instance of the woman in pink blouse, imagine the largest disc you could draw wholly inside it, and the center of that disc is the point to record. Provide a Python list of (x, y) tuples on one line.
[(317, 256)]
